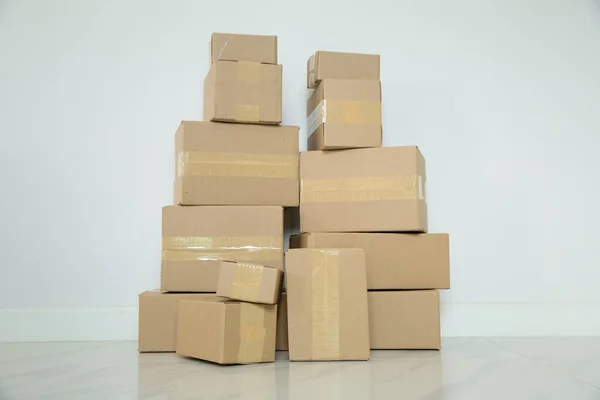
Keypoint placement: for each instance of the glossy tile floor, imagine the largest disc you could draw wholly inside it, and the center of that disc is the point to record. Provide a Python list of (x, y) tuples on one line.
[(507, 369)]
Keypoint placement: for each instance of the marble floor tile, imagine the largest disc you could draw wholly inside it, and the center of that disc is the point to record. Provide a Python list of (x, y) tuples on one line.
[(466, 368)]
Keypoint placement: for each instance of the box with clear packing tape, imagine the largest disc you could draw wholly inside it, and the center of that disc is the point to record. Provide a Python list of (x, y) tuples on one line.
[(344, 114), (195, 240), (243, 92), (363, 190)]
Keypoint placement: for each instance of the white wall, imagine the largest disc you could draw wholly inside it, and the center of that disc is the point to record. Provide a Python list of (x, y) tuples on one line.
[(501, 96)]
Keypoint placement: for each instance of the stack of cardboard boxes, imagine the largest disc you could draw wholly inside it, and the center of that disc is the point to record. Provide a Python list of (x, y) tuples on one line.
[(234, 173), (363, 197), (363, 272)]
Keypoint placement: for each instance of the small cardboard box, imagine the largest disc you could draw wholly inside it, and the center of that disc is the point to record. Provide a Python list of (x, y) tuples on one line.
[(327, 304), (157, 329), (227, 332), (236, 164), (249, 282), (363, 190), (394, 260), (344, 114), (195, 239), (335, 65), (404, 319), (236, 47), (242, 91), (282, 324)]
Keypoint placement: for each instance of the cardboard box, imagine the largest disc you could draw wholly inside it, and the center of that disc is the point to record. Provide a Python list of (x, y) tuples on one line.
[(327, 304), (394, 260), (157, 329), (234, 47), (236, 164), (227, 332), (344, 114), (334, 65), (241, 91), (249, 282), (363, 190), (195, 239), (282, 324), (405, 319)]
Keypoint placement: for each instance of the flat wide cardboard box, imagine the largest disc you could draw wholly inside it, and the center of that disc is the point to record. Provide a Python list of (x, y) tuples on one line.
[(327, 304), (394, 260), (196, 239), (241, 91), (227, 332), (235, 47), (236, 164), (363, 190), (344, 114), (404, 319), (335, 65), (249, 282), (157, 330), (282, 324)]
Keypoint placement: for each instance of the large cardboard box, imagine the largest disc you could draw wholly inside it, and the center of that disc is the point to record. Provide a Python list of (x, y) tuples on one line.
[(282, 324), (227, 332), (335, 65), (195, 239), (249, 282), (241, 91), (394, 260), (236, 164), (236, 47), (158, 312), (404, 319), (363, 190), (327, 304), (344, 114)]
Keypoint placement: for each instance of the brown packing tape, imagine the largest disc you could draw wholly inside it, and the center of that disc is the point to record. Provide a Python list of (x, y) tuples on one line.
[(248, 72), (198, 163), (247, 112), (253, 333), (344, 112), (362, 189), (247, 281), (233, 248), (325, 305)]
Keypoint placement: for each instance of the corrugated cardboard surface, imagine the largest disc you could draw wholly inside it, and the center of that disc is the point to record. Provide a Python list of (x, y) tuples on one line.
[(235, 47), (236, 164), (158, 312), (241, 91), (327, 304), (227, 332), (363, 190), (194, 237), (249, 282), (344, 114), (282, 324), (394, 260), (405, 319), (334, 65)]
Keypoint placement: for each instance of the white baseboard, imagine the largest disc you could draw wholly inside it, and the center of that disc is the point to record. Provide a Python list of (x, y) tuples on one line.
[(458, 320)]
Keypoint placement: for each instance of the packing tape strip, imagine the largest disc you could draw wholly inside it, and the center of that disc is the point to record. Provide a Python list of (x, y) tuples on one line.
[(248, 72), (311, 71), (247, 280), (253, 333), (344, 112), (246, 165), (325, 305), (243, 248), (362, 189), (247, 113)]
